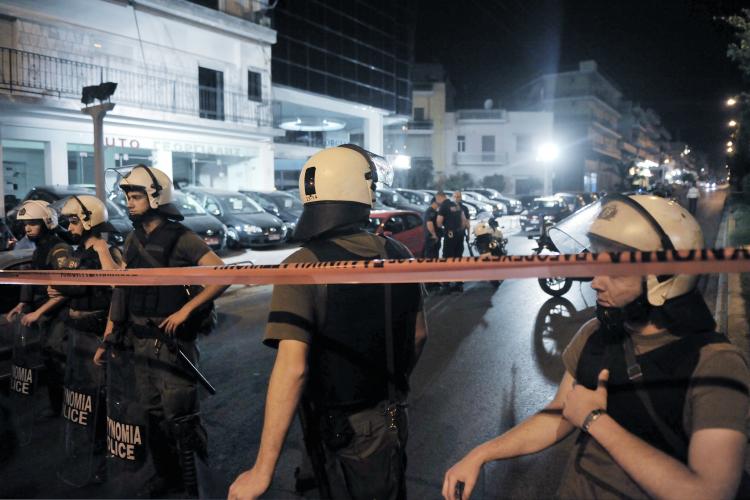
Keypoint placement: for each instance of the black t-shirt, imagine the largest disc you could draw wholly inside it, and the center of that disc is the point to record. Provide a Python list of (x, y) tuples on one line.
[(465, 210), (451, 215), (430, 215)]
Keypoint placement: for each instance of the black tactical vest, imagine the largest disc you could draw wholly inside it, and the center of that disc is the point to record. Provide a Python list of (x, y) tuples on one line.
[(41, 260), (94, 298), (667, 375), (347, 355), (452, 221), (154, 301)]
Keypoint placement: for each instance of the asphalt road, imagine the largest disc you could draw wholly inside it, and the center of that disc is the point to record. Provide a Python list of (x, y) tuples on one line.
[(491, 360)]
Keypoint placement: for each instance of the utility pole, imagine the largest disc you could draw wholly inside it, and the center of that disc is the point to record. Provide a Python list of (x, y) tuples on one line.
[(97, 114)]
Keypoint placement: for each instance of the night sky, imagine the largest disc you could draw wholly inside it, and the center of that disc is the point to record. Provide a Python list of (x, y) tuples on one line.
[(669, 55)]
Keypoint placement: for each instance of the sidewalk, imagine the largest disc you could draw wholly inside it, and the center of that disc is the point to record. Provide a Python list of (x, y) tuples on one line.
[(731, 312)]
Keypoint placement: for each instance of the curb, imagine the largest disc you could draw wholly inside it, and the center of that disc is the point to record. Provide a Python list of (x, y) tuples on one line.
[(732, 319)]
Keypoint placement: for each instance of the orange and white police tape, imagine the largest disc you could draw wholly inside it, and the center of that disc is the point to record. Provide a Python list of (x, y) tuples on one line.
[(703, 261)]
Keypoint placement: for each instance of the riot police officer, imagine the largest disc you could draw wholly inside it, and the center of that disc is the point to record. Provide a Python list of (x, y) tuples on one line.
[(431, 235), (84, 397), (161, 324), (453, 222), (41, 308), (345, 351)]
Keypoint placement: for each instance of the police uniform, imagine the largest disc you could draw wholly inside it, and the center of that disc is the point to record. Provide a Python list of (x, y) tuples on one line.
[(167, 392), (50, 253), (431, 246), (348, 377), (453, 231)]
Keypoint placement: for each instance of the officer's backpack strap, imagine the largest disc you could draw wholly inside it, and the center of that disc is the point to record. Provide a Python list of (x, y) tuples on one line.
[(696, 340)]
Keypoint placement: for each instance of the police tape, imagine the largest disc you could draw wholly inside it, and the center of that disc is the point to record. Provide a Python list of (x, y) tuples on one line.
[(702, 261)]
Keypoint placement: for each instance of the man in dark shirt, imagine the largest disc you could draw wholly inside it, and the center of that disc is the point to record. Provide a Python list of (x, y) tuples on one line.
[(431, 237), (452, 220)]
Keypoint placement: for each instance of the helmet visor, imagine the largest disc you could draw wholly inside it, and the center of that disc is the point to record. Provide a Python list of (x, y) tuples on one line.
[(571, 235), (383, 170)]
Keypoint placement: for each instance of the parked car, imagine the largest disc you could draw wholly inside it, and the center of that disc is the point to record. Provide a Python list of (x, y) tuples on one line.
[(393, 199), (549, 209), (248, 225), (402, 225), (209, 228), (496, 208), (513, 205), (573, 200), (472, 206), (288, 207), (416, 197), (54, 196), (267, 205)]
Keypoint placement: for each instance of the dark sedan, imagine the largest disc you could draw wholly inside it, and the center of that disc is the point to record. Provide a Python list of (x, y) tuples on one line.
[(248, 225), (209, 228), (55, 194), (544, 210), (288, 207)]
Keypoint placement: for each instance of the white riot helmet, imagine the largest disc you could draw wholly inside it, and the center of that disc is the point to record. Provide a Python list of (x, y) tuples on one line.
[(337, 186), (158, 187), (90, 210), (639, 222), (38, 210)]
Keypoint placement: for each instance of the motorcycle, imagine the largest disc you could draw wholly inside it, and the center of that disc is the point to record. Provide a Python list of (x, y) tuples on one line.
[(556, 286), (489, 241)]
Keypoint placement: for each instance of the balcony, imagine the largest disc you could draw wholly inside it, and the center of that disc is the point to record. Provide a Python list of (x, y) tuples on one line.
[(27, 73), (419, 125), (482, 114), (489, 159)]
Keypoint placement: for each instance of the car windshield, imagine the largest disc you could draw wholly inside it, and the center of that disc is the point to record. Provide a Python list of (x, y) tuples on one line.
[(187, 205), (286, 201), (545, 203), (239, 204)]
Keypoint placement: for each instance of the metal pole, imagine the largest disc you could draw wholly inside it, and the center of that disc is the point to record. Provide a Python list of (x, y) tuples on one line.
[(97, 114)]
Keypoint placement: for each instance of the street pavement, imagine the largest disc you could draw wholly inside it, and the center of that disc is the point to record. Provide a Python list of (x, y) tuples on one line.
[(491, 360)]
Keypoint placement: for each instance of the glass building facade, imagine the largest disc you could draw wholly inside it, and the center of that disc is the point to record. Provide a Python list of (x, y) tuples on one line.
[(347, 49)]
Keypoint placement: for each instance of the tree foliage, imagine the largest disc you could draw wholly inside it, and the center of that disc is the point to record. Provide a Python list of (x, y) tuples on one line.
[(495, 181), (739, 52), (460, 180)]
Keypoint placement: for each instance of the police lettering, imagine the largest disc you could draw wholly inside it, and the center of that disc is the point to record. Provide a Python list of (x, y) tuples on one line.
[(122, 439), (21, 379), (76, 406)]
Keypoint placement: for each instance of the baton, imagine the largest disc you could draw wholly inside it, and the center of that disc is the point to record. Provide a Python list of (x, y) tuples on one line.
[(172, 344)]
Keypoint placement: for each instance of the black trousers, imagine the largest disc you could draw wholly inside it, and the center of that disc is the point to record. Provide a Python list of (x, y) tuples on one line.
[(431, 248), (453, 246)]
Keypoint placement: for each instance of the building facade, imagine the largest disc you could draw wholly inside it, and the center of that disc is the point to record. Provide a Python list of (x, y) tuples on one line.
[(586, 106), (341, 73), (197, 106)]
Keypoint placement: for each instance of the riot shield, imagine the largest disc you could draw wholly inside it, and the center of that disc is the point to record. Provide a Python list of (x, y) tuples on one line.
[(84, 413), (25, 368), (127, 426)]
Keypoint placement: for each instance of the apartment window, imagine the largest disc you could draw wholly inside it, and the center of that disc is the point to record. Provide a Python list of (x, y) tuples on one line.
[(418, 114), (211, 93), (488, 147), (524, 143), (461, 144), (254, 90)]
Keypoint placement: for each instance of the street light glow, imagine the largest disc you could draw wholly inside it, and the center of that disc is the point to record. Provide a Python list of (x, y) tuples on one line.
[(732, 123), (730, 149), (731, 101), (730, 144), (547, 152)]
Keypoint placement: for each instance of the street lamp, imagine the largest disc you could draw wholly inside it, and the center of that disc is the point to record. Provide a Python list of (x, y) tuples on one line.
[(731, 101), (101, 93), (730, 144), (732, 123), (546, 154)]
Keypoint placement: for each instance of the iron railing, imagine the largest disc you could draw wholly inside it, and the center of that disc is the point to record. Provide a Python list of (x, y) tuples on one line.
[(482, 114), (24, 72)]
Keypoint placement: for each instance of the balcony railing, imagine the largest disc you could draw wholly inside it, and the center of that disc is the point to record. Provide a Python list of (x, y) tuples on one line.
[(480, 158), (482, 114), (37, 74), (419, 125)]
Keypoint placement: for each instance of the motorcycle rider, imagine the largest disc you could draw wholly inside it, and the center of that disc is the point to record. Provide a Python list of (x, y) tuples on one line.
[(158, 315), (88, 306), (42, 308), (659, 398), (348, 364)]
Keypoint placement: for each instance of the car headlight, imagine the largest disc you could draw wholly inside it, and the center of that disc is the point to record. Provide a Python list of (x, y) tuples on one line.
[(549, 217), (249, 228), (232, 233)]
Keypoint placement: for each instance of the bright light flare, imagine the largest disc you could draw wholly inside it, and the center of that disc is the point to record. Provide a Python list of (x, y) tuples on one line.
[(547, 152)]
